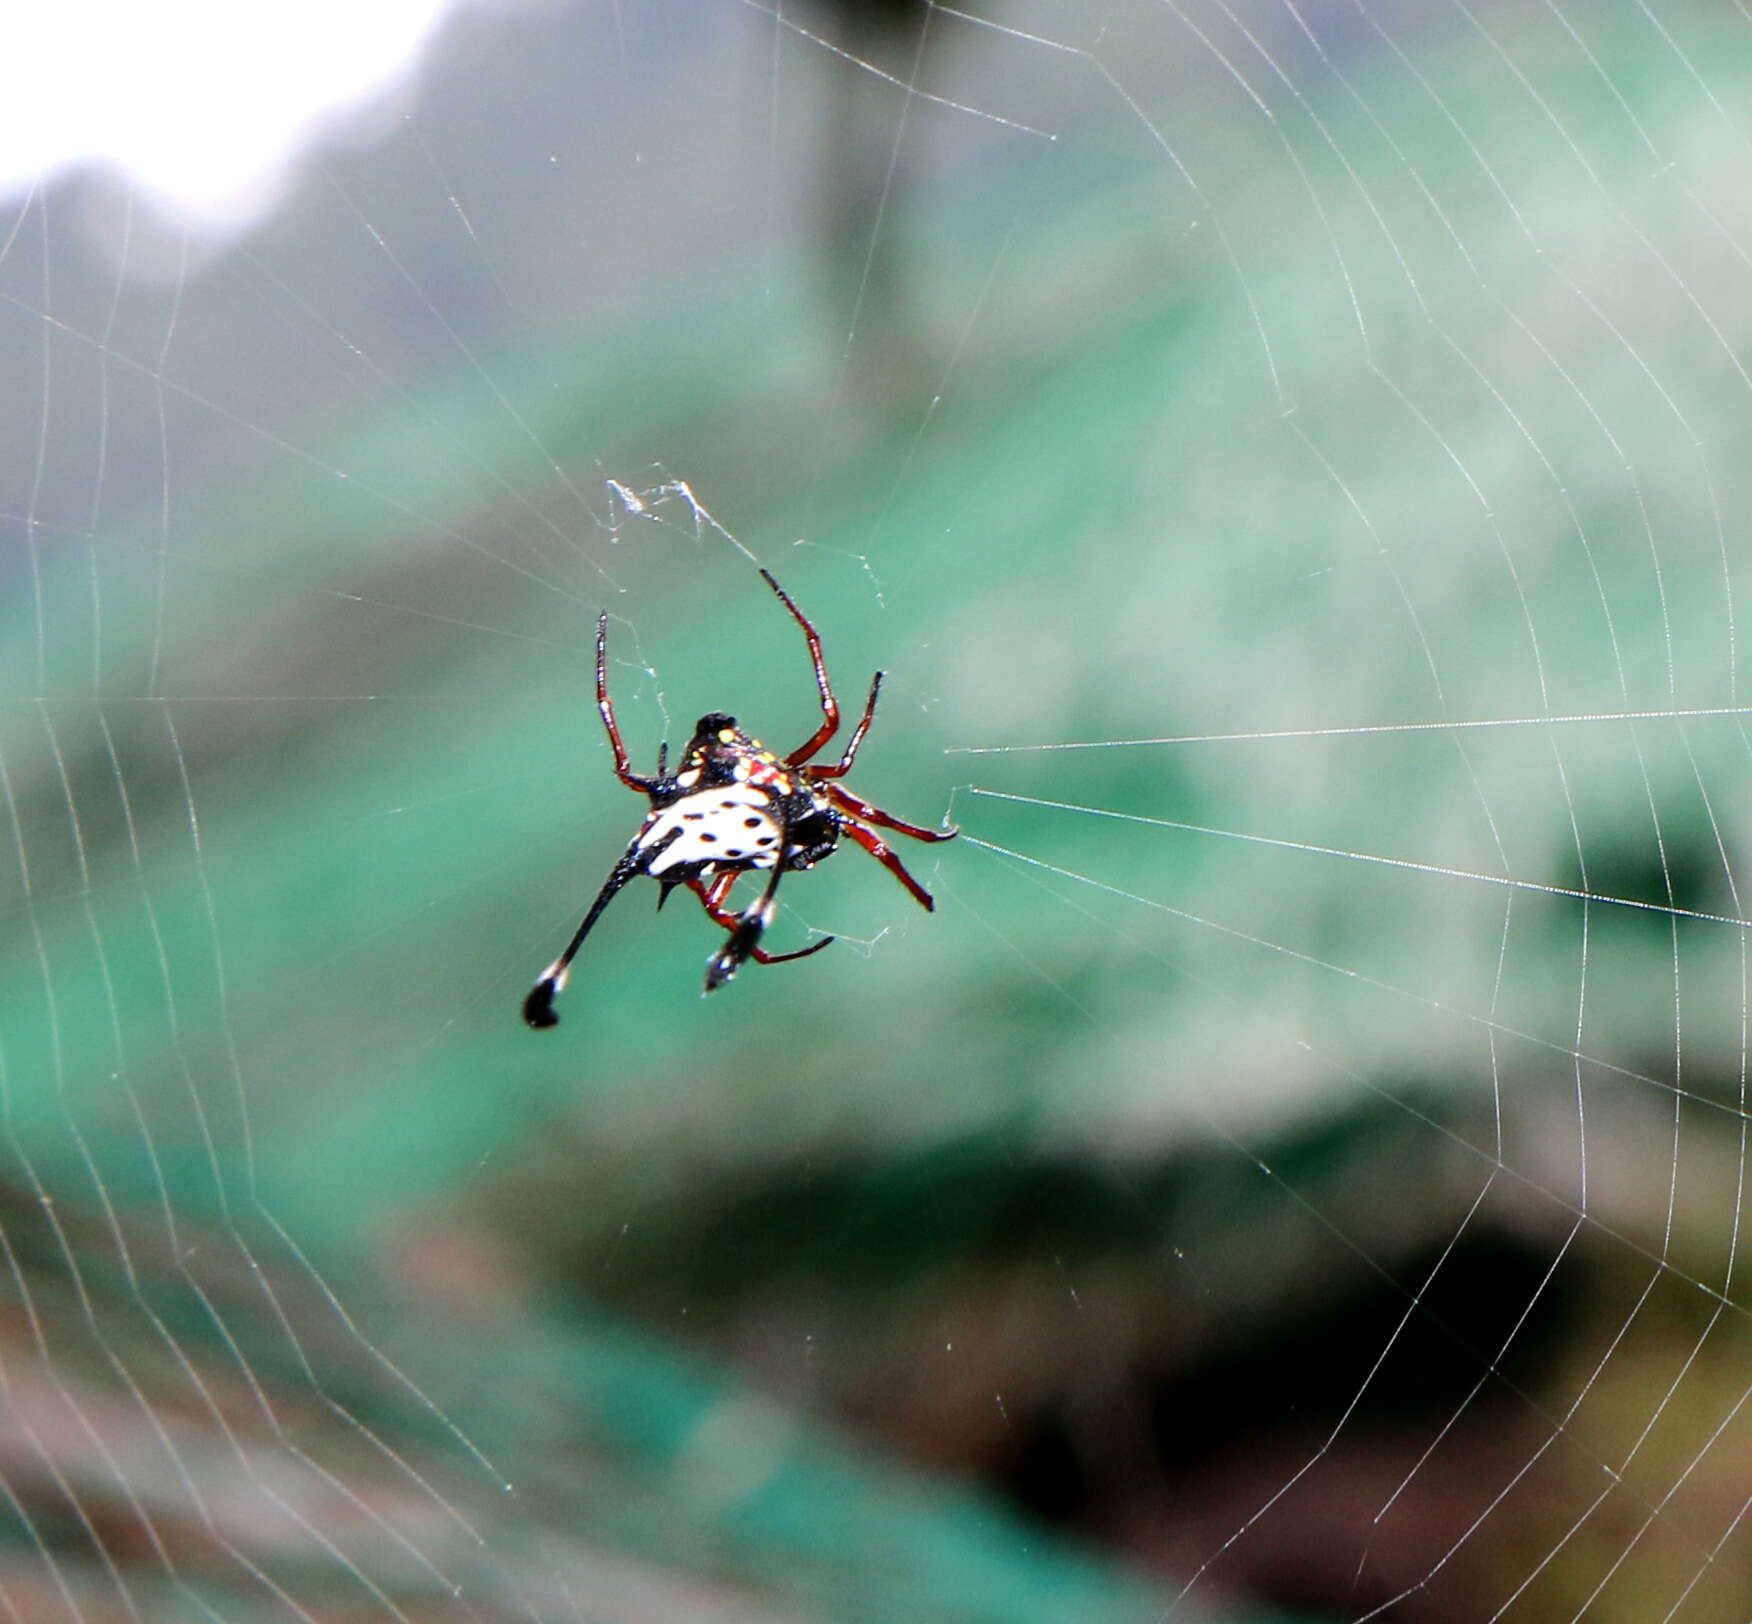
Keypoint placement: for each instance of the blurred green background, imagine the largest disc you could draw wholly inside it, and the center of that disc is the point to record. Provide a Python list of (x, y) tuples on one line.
[(1291, 467)]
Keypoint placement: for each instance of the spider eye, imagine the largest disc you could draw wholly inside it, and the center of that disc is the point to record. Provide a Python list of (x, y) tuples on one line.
[(715, 722)]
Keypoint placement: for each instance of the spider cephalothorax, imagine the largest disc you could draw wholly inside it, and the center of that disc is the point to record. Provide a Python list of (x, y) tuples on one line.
[(731, 806)]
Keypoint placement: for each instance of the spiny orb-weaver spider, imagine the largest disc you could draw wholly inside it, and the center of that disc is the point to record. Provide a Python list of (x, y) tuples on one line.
[(732, 806)]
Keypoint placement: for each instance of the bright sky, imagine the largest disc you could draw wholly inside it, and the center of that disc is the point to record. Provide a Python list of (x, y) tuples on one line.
[(203, 100)]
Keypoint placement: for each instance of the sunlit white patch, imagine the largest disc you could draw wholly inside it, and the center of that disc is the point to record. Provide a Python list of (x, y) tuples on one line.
[(205, 102)]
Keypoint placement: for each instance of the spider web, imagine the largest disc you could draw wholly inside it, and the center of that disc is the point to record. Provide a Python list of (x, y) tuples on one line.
[(1287, 460)]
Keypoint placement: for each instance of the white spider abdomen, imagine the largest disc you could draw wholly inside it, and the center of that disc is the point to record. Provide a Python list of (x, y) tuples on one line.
[(733, 824)]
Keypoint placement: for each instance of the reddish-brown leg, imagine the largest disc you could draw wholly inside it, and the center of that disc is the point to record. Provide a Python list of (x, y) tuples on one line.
[(623, 769), (885, 855), (844, 764), (829, 705), (860, 808), (712, 900)]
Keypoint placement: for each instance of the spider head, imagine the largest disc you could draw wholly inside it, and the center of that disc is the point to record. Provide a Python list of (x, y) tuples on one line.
[(714, 751), (716, 739)]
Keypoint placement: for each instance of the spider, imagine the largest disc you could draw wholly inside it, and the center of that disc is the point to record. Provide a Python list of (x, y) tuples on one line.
[(730, 807)]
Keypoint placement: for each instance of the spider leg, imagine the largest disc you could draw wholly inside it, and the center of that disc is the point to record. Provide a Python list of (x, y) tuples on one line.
[(712, 897), (846, 801), (745, 928), (844, 764), (722, 880), (829, 705), (623, 768), (888, 858), (538, 1007), (731, 920)]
